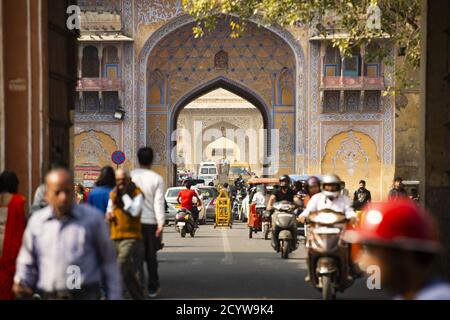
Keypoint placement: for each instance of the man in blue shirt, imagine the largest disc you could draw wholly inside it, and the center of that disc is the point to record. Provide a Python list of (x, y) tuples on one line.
[(66, 251)]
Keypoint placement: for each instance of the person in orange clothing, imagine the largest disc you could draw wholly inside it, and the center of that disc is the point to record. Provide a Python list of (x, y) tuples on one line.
[(312, 187), (12, 226)]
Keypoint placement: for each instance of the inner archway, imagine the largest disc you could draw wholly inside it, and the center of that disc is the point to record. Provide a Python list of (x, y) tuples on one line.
[(231, 129)]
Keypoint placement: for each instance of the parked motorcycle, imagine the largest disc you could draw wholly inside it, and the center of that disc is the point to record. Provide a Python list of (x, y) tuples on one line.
[(328, 254), (284, 220), (184, 223)]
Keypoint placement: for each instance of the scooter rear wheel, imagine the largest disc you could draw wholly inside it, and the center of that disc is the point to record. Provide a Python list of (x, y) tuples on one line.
[(183, 233), (250, 233)]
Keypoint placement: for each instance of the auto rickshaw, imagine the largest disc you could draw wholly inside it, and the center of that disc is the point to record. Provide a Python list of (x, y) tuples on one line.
[(256, 219)]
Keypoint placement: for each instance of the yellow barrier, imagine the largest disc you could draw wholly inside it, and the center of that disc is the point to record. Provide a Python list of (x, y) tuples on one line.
[(223, 210)]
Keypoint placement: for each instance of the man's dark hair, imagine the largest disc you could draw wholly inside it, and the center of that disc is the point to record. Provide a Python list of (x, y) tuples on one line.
[(145, 156), (399, 179), (9, 182), (107, 177), (225, 185), (189, 184), (362, 181), (58, 165)]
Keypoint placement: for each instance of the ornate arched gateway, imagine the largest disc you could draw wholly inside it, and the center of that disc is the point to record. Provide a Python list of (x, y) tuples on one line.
[(300, 85), (266, 67)]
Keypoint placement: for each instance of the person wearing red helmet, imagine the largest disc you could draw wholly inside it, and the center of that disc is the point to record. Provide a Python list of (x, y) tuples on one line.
[(401, 239)]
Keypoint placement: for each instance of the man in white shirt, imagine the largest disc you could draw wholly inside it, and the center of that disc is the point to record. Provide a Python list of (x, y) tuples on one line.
[(329, 198), (153, 214), (259, 198)]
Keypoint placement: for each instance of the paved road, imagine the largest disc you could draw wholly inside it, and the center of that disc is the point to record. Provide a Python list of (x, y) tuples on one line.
[(226, 264)]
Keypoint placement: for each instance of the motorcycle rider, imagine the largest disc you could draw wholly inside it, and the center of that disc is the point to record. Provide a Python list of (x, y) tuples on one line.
[(331, 198), (312, 187), (186, 197), (259, 198), (400, 238), (284, 193)]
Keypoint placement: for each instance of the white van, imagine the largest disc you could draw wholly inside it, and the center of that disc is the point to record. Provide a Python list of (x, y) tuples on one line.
[(208, 172)]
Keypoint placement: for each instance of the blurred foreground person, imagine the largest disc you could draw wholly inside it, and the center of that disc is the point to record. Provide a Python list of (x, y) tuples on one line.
[(12, 226), (124, 217), (66, 251), (401, 239), (99, 196)]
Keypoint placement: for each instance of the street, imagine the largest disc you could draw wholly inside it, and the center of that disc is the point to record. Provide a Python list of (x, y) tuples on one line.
[(224, 263)]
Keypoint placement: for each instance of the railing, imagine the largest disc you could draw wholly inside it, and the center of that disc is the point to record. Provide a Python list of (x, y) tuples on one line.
[(358, 83), (98, 84)]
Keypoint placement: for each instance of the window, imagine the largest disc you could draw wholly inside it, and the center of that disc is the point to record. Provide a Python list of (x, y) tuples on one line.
[(239, 170), (173, 193), (110, 101), (212, 171), (332, 62), (91, 102), (372, 62), (204, 171), (351, 101), (352, 65), (90, 62), (331, 101), (372, 100), (110, 63)]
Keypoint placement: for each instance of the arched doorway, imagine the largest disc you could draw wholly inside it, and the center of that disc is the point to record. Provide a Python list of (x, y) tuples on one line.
[(263, 67), (231, 128)]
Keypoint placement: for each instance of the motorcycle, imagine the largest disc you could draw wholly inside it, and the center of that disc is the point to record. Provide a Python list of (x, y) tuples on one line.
[(285, 220), (184, 223), (328, 253)]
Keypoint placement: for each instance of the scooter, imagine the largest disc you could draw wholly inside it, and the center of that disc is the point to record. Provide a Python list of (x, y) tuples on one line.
[(184, 223), (285, 220), (328, 253)]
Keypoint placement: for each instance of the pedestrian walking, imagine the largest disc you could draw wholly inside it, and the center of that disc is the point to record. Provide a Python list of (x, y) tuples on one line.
[(12, 226), (99, 196), (153, 215), (124, 217), (66, 251)]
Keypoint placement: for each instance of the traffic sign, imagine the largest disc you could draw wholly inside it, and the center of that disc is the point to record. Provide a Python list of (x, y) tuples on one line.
[(118, 157)]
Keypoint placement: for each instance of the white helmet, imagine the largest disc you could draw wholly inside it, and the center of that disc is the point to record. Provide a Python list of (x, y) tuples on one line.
[(333, 180)]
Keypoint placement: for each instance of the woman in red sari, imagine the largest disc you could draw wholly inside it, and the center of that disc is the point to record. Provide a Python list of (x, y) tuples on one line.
[(12, 226)]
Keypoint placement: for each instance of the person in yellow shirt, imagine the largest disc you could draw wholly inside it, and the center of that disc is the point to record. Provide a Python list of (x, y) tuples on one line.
[(123, 215)]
